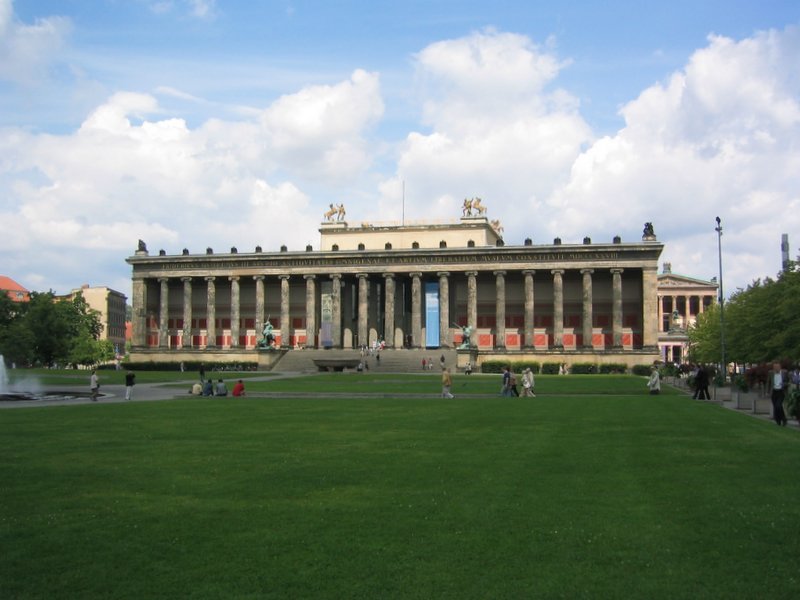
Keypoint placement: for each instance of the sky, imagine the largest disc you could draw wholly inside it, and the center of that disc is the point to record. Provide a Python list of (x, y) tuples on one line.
[(221, 123)]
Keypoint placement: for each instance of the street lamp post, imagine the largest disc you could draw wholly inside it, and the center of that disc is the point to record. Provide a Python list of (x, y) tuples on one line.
[(721, 301)]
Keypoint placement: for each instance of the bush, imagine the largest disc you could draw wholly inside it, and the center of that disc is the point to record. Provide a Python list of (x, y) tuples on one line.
[(189, 366), (551, 368), (613, 368), (496, 366), (642, 370), (583, 369)]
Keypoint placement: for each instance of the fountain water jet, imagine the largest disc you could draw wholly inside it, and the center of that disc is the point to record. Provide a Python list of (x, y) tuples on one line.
[(3, 375), (32, 390)]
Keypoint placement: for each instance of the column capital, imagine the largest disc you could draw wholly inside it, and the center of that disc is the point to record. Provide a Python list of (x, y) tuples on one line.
[(415, 274), (259, 277), (163, 280), (388, 275), (529, 272), (557, 271), (210, 278), (443, 273), (499, 273), (589, 271), (309, 277), (335, 276), (185, 279), (284, 277), (233, 278), (471, 273), (362, 275), (617, 270)]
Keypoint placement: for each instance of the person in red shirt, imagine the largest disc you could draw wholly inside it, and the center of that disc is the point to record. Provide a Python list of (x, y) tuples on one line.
[(238, 389)]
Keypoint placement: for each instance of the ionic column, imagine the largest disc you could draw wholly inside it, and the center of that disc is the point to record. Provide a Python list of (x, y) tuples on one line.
[(163, 313), (363, 309), (701, 308), (388, 319), (444, 309), (235, 311), (285, 324), (558, 308), (660, 313), (472, 304), (186, 338), (211, 313), (587, 307), (529, 304), (139, 321), (649, 299), (500, 310), (311, 311), (259, 304), (336, 308), (616, 317), (416, 310)]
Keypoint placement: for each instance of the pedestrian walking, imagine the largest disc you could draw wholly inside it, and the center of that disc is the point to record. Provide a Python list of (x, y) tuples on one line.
[(447, 382), (130, 380), (94, 386), (527, 383), (777, 382)]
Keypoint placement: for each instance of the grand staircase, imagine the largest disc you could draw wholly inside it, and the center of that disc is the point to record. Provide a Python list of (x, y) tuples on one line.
[(392, 361)]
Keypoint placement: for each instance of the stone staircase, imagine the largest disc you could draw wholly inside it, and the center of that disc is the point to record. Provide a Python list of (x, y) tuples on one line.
[(392, 361)]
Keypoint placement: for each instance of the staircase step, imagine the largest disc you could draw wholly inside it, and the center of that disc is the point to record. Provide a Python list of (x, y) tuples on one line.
[(391, 360)]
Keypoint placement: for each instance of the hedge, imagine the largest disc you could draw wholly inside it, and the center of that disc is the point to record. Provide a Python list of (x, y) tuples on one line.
[(189, 366), (496, 366)]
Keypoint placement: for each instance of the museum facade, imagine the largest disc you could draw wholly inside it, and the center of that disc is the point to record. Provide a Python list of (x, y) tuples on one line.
[(410, 285)]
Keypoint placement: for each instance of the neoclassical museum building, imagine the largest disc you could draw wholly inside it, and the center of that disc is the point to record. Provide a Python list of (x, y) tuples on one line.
[(410, 285)]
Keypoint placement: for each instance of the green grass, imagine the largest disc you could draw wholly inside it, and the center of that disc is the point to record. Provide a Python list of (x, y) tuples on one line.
[(403, 383), (567, 495), (54, 377)]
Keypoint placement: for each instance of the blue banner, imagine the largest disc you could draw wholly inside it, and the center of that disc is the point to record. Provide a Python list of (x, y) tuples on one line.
[(432, 315)]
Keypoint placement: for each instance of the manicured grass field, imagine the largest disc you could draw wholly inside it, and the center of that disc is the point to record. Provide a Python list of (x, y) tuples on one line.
[(70, 377), (575, 495)]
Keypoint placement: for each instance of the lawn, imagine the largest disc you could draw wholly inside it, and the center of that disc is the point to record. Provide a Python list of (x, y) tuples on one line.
[(595, 495)]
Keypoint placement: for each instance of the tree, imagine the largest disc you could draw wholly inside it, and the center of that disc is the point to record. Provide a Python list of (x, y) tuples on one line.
[(47, 331), (761, 323), (704, 337)]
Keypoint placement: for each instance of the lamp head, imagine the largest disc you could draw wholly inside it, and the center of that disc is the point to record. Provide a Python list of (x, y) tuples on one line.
[(718, 222)]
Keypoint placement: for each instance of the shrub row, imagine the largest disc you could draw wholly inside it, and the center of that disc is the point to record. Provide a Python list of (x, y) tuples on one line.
[(552, 368), (189, 366), (496, 366)]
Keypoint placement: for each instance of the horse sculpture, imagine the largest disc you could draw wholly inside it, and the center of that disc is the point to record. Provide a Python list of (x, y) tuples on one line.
[(329, 214), (498, 228), (477, 206)]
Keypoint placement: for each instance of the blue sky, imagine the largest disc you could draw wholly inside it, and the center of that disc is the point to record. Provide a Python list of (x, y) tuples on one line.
[(194, 123)]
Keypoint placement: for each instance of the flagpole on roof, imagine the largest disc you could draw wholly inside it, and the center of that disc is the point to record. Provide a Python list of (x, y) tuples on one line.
[(403, 222)]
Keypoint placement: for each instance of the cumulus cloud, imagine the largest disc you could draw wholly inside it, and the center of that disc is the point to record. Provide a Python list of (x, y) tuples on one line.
[(133, 171), (27, 51), (319, 130), (718, 138), (498, 127)]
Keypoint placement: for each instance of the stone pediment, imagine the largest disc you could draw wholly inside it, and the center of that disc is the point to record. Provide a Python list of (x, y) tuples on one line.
[(672, 280)]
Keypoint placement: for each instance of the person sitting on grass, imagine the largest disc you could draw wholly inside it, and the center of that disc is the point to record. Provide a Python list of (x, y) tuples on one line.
[(221, 389), (208, 388), (238, 389)]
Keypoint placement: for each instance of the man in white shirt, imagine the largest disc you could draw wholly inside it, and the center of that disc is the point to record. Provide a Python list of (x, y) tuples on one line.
[(777, 383)]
